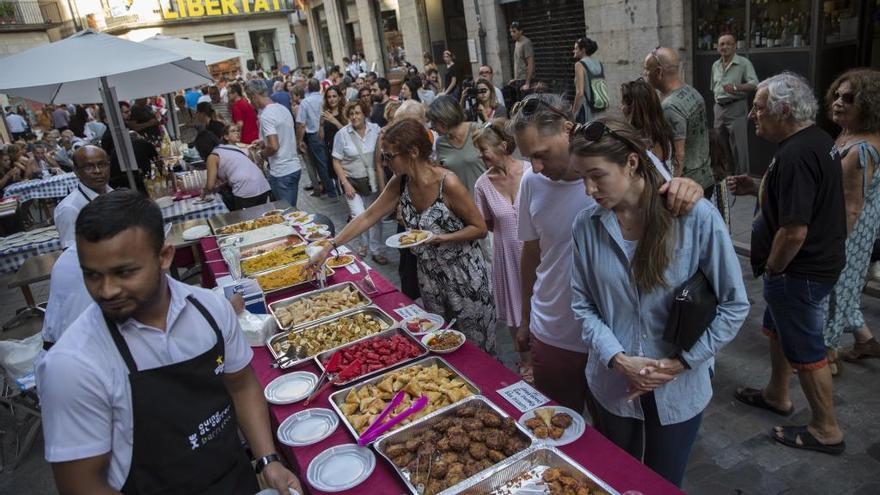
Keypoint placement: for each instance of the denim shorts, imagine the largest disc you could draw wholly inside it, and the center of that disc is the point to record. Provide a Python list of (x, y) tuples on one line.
[(795, 315)]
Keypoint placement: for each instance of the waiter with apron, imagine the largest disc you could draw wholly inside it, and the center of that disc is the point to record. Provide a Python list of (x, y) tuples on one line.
[(145, 392)]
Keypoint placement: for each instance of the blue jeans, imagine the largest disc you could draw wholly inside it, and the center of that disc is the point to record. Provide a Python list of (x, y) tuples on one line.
[(319, 155), (664, 449), (286, 187), (795, 313)]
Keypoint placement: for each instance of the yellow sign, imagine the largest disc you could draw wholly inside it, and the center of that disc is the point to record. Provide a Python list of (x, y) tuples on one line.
[(201, 8)]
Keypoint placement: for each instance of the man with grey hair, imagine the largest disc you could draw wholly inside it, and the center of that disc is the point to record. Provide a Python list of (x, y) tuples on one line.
[(308, 124), (278, 143), (733, 78), (551, 196), (798, 244)]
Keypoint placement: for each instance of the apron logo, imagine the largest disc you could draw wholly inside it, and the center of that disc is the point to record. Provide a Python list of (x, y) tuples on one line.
[(220, 367), (194, 441)]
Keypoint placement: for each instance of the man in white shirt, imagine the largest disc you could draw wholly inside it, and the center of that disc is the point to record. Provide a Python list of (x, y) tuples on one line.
[(146, 390), (17, 125), (205, 96), (92, 168), (68, 297), (278, 142), (551, 196)]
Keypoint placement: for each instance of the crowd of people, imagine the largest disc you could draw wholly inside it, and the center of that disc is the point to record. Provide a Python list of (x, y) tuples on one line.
[(573, 224)]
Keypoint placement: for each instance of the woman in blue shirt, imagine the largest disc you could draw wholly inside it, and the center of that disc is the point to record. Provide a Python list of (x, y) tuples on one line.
[(630, 254)]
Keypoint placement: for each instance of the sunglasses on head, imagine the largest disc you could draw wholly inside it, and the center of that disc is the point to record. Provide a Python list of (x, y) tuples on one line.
[(657, 58), (595, 130), (848, 98), (531, 105), (387, 156)]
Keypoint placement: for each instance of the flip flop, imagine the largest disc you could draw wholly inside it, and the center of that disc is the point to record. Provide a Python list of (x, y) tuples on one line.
[(791, 434), (753, 397)]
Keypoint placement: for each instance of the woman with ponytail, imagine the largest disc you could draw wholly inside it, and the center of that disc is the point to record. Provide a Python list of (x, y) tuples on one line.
[(630, 255)]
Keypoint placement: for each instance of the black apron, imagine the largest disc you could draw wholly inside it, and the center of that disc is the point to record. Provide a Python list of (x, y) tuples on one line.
[(185, 431)]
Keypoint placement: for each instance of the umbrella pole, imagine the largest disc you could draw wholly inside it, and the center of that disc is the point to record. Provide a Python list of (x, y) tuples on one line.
[(121, 139), (172, 114)]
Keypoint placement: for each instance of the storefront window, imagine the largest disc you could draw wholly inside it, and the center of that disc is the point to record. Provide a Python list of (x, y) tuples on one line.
[(841, 21), (776, 24), (353, 39), (324, 33), (263, 45), (720, 17), (395, 54)]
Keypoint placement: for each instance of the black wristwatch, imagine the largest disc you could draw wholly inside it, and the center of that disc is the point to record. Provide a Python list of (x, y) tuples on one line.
[(264, 461), (683, 362)]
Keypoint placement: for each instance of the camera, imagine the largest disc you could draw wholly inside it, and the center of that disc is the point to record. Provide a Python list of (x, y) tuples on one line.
[(469, 92)]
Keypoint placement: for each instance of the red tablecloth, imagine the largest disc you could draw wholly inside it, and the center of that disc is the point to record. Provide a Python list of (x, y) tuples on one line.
[(592, 450)]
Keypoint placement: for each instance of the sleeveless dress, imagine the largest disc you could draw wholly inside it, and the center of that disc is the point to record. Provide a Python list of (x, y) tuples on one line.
[(844, 306), (453, 277)]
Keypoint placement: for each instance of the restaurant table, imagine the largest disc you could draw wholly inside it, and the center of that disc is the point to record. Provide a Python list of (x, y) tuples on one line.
[(591, 450), (185, 252), (35, 269), (27, 245), (57, 186), (193, 208)]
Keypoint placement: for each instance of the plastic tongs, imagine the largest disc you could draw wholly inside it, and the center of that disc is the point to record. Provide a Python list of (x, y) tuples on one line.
[(334, 373), (378, 427)]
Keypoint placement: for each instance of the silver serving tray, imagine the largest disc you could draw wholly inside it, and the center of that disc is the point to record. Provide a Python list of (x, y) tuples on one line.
[(327, 270), (268, 246), (425, 423), (338, 398), (325, 356), (533, 461), (374, 311), (290, 300), (218, 228)]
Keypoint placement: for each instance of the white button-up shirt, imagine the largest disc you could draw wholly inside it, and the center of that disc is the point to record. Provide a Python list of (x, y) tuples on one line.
[(67, 211), (83, 381), (356, 154), (68, 297)]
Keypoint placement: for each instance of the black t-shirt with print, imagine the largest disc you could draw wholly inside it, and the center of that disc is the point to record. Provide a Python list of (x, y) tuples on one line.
[(803, 186)]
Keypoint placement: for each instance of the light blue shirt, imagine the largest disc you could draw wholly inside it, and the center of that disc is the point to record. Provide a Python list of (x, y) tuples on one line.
[(309, 114), (616, 317)]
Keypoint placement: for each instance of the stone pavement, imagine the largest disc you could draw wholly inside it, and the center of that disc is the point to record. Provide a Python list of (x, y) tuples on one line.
[(733, 454)]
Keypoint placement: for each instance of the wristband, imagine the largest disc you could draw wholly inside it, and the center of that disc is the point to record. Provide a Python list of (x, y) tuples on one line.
[(683, 362), (264, 461)]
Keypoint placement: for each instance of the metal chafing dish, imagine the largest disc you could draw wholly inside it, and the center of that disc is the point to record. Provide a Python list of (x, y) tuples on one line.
[(427, 423), (278, 343), (256, 250), (523, 471), (290, 300), (327, 271), (238, 216), (325, 356), (338, 398)]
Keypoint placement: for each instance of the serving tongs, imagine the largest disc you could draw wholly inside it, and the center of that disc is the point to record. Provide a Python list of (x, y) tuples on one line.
[(377, 427), (334, 373)]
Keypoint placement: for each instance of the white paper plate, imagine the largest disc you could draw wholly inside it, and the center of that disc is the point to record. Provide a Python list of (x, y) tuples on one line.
[(290, 388), (429, 336), (300, 220), (394, 241), (436, 320), (341, 468), (307, 427), (572, 433), (342, 260), (196, 233)]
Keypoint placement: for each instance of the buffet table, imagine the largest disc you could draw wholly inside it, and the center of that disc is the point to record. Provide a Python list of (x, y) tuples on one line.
[(591, 450)]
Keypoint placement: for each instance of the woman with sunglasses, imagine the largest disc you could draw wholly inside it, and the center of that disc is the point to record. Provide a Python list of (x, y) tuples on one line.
[(487, 107), (497, 197), (630, 254), (453, 277), (854, 104)]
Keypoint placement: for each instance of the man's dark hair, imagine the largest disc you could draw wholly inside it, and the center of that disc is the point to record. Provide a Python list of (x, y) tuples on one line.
[(587, 45), (314, 86), (235, 88), (516, 25), (109, 214), (205, 90), (384, 85)]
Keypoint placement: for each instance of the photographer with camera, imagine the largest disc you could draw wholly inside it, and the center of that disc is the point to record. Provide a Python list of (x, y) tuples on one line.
[(480, 101)]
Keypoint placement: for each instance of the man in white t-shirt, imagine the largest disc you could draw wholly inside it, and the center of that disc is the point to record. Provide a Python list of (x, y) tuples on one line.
[(551, 196), (279, 147)]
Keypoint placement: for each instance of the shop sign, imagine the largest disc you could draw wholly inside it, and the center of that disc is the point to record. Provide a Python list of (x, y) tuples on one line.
[(214, 8)]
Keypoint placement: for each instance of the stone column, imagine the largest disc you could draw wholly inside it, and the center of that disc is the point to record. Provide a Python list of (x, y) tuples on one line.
[(413, 23), (336, 27), (243, 43), (370, 35), (315, 37), (285, 47)]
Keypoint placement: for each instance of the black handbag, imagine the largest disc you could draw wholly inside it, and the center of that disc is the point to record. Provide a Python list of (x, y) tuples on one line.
[(693, 308), (361, 185)]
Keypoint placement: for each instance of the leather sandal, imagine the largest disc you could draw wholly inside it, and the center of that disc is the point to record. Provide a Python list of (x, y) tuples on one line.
[(864, 350)]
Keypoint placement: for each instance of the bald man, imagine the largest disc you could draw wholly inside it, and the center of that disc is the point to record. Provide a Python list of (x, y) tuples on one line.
[(733, 78), (685, 110), (92, 168)]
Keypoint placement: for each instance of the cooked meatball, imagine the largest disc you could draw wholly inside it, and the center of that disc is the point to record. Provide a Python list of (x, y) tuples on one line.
[(495, 440), (477, 435), (459, 442), (455, 473), (427, 449), (402, 459), (551, 474), (466, 411), (534, 423), (541, 431), (395, 449), (455, 430), (431, 436), (478, 451), (435, 486), (556, 433), (443, 424), (470, 424), (489, 418), (472, 468), (439, 469), (508, 425), (561, 420), (443, 444), (449, 458), (514, 445), (496, 456), (412, 444)]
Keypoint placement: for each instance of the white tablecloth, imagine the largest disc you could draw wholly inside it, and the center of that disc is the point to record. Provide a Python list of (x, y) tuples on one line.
[(57, 186), (17, 248), (190, 209)]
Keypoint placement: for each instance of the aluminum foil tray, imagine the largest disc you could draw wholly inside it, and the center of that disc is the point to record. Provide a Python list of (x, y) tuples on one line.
[(325, 356), (290, 300)]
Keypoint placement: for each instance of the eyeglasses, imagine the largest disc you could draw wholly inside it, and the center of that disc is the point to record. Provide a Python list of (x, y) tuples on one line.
[(94, 167), (848, 98), (482, 91), (387, 157), (530, 106), (595, 130)]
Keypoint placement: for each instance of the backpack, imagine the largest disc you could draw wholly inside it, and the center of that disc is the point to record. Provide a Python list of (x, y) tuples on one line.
[(598, 89)]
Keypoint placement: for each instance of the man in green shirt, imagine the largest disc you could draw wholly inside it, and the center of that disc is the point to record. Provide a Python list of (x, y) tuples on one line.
[(733, 78)]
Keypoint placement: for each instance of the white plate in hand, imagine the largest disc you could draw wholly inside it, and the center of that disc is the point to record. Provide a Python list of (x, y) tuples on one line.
[(572, 433), (394, 241), (341, 468), (290, 388), (196, 233)]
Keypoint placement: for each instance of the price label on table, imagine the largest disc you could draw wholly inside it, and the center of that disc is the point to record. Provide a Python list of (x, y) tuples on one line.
[(409, 311), (352, 268), (523, 396)]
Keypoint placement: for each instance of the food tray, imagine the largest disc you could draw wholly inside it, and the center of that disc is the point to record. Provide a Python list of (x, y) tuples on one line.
[(338, 398), (228, 228), (275, 339), (327, 271), (324, 356), (427, 423), (290, 241), (290, 300), (527, 467), (256, 236), (262, 247)]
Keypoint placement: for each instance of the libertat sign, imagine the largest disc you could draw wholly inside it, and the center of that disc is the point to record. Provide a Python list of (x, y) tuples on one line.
[(211, 8)]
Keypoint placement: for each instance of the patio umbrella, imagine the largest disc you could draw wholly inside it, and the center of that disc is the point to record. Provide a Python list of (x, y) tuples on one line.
[(91, 67)]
